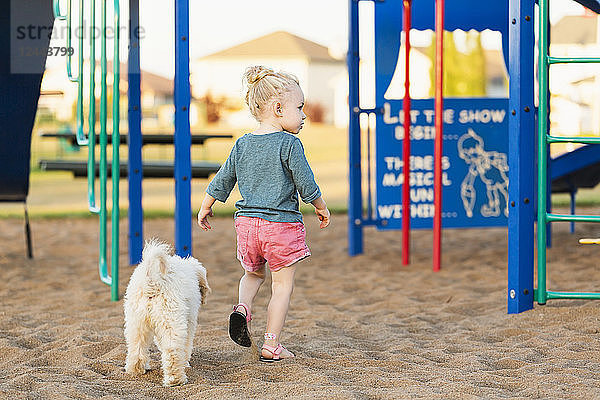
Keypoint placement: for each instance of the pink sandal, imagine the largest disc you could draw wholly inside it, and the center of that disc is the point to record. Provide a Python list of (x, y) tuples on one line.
[(274, 350), (238, 325)]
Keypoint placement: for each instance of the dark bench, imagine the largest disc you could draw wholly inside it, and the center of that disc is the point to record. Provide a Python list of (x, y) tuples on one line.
[(146, 138), (155, 169), (151, 169)]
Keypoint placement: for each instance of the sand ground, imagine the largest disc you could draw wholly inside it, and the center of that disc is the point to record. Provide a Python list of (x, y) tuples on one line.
[(362, 327)]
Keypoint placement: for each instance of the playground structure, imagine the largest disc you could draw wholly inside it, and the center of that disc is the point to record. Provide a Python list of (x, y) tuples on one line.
[(20, 92), (476, 144), (428, 170), (182, 138), (472, 143), (563, 174)]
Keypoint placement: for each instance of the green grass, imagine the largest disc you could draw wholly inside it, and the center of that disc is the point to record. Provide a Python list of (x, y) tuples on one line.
[(59, 195)]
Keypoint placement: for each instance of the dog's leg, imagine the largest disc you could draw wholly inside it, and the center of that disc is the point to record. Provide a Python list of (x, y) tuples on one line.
[(137, 336), (191, 332), (171, 340)]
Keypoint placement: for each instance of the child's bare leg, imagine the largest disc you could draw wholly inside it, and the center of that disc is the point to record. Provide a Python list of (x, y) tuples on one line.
[(249, 285), (282, 287)]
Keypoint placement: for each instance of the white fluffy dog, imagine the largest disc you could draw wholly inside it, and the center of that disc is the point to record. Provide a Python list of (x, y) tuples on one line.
[(162, 302)]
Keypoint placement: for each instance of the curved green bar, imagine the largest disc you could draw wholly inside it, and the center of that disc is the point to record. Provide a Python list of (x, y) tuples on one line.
[(56, 10), (69, 43), (92, 116), (90, 141), (80, 136)]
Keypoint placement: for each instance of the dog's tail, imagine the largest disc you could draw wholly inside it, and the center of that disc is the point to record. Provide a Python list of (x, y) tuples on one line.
[(155, 255), (203, 282)]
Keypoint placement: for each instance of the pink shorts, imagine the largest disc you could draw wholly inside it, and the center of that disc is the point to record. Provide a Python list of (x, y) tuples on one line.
[(279, 243)]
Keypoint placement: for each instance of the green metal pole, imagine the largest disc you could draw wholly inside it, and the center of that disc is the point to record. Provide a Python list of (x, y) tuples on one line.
[(103, 140), (69, 42), (542, 148), (575, 218), (115, 161), (111, 280), (578, 139), (79, 132), (572, 60), (92, 115)]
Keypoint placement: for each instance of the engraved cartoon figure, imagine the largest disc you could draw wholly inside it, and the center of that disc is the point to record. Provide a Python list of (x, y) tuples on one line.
[(491, 167)]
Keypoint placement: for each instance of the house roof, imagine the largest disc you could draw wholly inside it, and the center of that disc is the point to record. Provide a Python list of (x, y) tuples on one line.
[(277, 44), (149, 81), (575, 30)]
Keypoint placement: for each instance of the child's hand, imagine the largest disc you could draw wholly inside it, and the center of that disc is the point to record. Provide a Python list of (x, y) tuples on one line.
[(324, 217), (203, 215)]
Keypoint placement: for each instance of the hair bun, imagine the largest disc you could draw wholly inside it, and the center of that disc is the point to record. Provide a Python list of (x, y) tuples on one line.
[(256, 73)]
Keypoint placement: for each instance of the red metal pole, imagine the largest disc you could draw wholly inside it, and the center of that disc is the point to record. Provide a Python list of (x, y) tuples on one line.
[(406, 142), (439, 121)]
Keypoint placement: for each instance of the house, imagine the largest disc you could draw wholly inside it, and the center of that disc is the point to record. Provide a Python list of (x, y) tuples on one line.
[(220, 74), (60, 97)]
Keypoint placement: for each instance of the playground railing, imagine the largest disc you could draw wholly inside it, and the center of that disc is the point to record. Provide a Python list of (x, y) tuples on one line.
[(541, 294), (90, 140)]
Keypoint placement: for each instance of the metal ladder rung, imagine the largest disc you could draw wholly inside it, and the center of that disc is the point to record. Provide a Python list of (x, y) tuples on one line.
[(573, 139), (572, 295), (572, 60), (575, 218)]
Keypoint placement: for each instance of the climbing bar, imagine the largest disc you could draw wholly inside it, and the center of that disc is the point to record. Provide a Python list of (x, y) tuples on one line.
[(116, 118), (542, 131), (572, 295), (92, 115), (90, 139), (575, 218), (572, 60), (572, 139), (66, 17)]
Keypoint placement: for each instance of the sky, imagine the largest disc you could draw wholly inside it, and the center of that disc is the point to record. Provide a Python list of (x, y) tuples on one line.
[(219, 24)]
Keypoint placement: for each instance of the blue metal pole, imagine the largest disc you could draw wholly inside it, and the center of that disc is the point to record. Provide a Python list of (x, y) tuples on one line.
[(134, 139), (355, 230), (183, 141), (521, 156)]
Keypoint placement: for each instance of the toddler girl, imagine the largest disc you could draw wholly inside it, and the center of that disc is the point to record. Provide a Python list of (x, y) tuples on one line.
[(270, 169)]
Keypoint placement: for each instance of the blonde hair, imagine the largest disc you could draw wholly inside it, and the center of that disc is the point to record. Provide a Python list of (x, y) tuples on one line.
[(263, 84)]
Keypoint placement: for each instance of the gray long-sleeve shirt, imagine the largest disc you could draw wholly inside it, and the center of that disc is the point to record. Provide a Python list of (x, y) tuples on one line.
[(270, 171)]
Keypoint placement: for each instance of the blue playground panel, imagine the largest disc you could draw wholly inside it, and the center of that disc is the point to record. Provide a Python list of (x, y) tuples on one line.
[(475, 164)]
